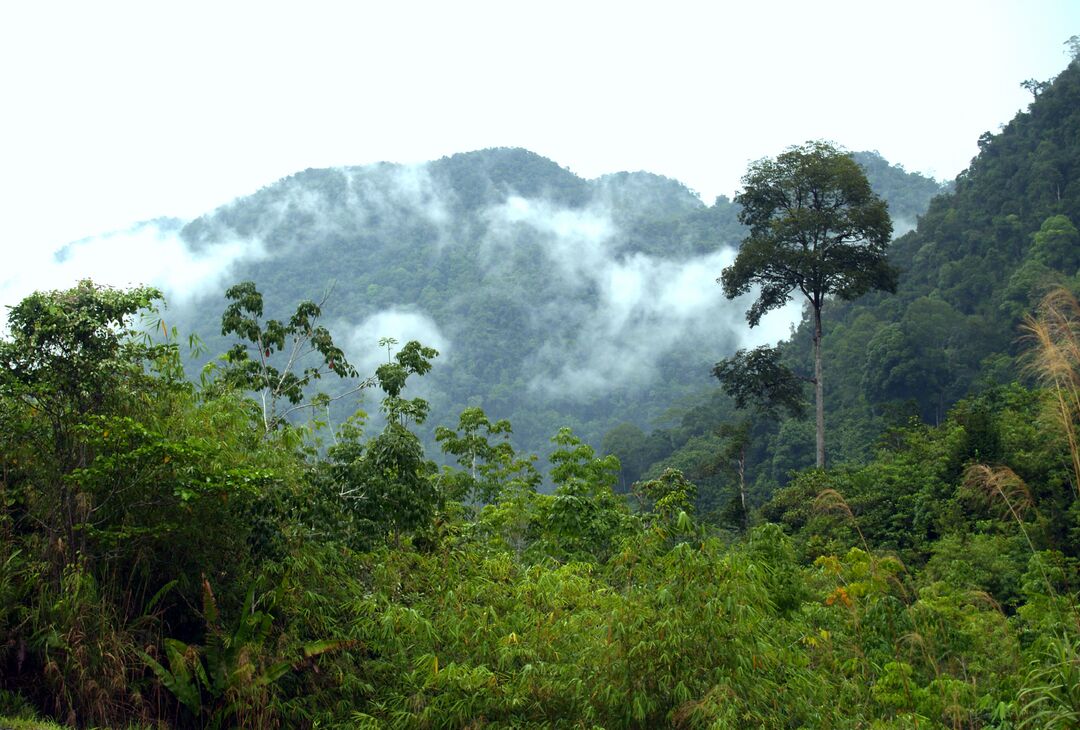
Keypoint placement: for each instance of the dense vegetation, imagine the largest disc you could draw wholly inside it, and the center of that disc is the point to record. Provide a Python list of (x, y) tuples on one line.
[(175, 553)]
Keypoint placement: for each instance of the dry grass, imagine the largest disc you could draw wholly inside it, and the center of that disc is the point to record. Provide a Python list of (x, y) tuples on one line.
[(1053, 359), (1001, 482), (830, 500)]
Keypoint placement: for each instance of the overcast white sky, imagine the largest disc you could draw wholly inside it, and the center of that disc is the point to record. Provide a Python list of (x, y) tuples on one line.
[(117, 112)]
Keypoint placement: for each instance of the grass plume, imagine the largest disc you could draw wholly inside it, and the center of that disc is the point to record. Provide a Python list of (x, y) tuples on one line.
[(1054, 360)]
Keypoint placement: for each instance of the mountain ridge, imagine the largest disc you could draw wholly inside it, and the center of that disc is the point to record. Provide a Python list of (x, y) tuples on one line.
[(556, 300)]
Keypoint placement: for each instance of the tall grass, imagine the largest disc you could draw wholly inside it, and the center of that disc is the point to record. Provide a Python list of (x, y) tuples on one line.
[(1050, 697), (1054, 360)]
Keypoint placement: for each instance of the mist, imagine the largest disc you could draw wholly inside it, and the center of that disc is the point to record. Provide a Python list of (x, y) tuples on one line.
[(903, 225), (640, 309), (614, 320), (151, 253), (401, 324)]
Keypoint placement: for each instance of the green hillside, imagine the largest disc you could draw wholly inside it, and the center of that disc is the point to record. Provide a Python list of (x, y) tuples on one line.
[(554, 300), (981, 258)]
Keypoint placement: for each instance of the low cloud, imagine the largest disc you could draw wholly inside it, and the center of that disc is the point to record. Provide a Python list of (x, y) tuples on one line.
[(402, 324), (616, 318), (903, 225), (579, 242), (641, 309), (201, 261), (150, 253), (411, 188)]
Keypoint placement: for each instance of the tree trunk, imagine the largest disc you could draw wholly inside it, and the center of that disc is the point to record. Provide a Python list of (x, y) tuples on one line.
[(742, 486), (819, 389)]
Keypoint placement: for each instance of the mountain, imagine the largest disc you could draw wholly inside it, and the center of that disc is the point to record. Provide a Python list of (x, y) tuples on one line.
[(554, 300)]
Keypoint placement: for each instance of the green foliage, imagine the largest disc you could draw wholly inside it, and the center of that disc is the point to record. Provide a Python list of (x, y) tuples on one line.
[(758, 379), (250, 362), (816, 227), (981, 257), (922, 359), (908, 193), (584, 518), (69, 348), (1051, 695), (669, 498), (631, 446), (28, 723), (229, 681), (575, 462), (386, 483), (71, 355), (119, 487), (490, 466), (412, 359), (1056, 244), (562, 609)]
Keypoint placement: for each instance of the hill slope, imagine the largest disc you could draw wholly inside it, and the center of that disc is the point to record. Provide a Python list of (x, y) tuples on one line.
[(979, 259), (554, 300)]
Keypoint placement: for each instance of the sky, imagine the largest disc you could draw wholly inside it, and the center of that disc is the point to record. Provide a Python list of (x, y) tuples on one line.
[(117, 112)]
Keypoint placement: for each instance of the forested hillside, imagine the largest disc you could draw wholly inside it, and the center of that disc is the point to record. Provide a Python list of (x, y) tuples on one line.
[(981, 257), (553, 300), (179, 552)]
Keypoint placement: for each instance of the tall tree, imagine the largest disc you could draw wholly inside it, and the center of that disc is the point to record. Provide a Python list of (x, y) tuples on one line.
[(816, 228)]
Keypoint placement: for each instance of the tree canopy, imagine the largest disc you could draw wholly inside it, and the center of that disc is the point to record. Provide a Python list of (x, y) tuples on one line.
[(816, 227)]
